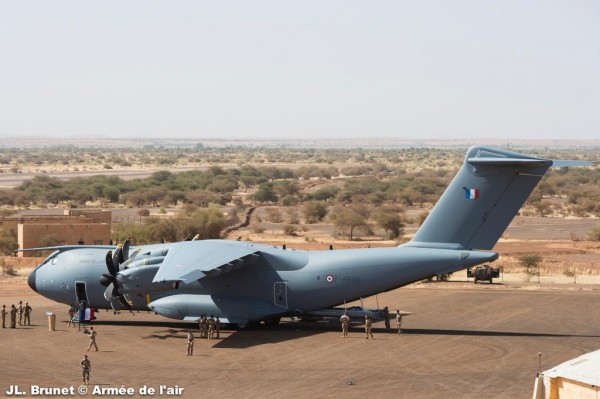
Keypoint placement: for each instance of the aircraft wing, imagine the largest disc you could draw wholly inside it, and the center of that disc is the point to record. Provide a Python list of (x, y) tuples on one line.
[(192, 260)]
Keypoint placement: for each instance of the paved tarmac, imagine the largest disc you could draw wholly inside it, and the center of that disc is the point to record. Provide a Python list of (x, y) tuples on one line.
[(462, 341)]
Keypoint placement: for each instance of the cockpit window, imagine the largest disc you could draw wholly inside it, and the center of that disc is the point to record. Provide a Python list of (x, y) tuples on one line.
[(51, 258)]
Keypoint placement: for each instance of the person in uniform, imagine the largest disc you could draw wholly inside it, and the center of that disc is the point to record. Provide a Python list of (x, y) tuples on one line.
[(386, 317), (3, 313), (398, 321), (190, 343), (92, 339), (13, 316), (217, 326), (203, 326), (20, 312), (368, 327), (86, 367), (345, 320), (211, 326), (27, 314), (71, 314)]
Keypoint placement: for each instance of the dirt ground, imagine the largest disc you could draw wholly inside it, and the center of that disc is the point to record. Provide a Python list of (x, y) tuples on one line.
[(462, 340)]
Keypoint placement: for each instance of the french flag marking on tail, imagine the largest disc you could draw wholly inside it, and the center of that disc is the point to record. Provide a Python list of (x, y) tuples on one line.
[(471, 193)]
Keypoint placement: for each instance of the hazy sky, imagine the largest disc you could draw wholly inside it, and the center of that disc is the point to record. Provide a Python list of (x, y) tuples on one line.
[(292, 69)]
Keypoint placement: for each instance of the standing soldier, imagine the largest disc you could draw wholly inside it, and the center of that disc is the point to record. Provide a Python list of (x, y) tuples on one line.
[(71, 314), (13, 316), (368, 326), (211, 326), (86, 368), (3, 313), (190, 343), (92, 339), (386, 317), (203, 326), (345, 320), (27, 312), (398, 321), (20, 312), (217, 326)]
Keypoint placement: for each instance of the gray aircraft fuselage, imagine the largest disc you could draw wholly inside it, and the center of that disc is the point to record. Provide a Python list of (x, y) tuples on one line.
[(241, 282), (317, 279)]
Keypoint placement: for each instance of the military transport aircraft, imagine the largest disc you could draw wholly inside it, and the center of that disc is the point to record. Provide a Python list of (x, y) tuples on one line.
[(243, 283)]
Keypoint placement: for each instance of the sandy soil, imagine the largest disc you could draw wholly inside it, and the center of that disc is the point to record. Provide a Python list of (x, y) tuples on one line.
[(462, 340)]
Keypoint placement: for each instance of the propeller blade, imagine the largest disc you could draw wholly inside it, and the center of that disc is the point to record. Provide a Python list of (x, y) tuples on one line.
[(109, 264), (124, 302), (126, 246), (115, 291), (106, 279), (121, 255), (108, 292), (116, 259)]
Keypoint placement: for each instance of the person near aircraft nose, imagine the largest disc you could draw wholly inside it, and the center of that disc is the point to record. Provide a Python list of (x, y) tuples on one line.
[(203, 326), (27, 314), (345, 320), (3, 313), (386, 317), (86, 367), (92, 339), (190, 343), (20, 312), (211, 326), (368, 327), (71, 314), (13, 317), (399, 321)]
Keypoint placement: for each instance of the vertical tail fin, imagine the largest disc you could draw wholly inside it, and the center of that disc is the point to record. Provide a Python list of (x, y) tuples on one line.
[(481, 200)]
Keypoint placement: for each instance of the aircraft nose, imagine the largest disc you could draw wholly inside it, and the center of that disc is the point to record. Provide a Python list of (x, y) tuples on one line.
[(31, 280)]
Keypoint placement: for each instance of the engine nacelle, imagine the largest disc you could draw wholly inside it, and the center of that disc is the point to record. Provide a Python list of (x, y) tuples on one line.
[(138, 280)]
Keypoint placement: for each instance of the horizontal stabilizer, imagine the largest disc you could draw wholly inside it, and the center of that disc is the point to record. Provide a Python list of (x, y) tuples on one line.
[(562, 163)]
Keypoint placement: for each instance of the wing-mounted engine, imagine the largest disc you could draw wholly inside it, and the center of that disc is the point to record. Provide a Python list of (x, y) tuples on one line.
[(132, 275)]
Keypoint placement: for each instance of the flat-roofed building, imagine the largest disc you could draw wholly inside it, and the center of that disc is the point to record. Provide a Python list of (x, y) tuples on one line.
[(75, 226), (578, 378)]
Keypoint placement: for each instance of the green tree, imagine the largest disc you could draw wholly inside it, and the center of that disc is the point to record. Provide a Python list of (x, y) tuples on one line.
[(206, 222), (390, 220), (265, 193), (325, 193), (8, 241), (351, 219), (530, 263), (203, 197), (314, 211)]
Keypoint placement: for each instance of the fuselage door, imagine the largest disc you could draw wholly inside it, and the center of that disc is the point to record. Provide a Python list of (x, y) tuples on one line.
[(280, 291), (80, 292)]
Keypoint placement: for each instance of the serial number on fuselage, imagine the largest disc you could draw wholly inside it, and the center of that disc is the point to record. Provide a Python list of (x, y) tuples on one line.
[(347, 279), (88, 261)]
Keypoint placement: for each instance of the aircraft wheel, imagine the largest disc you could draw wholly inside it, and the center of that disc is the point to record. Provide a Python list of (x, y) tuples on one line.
[(272, 321), (245, 325)]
